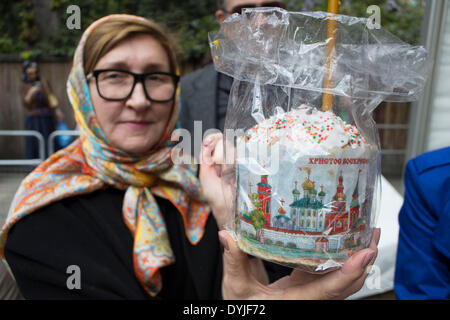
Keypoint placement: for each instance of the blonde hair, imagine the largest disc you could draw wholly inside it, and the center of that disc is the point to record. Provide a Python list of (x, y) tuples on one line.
[(108, 34)]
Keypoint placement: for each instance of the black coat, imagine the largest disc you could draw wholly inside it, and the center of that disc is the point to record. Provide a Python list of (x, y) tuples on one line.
[(88, 231)]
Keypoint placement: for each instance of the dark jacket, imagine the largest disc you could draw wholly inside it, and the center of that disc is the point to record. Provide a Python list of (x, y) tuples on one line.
[(88, 232), (204, 97)]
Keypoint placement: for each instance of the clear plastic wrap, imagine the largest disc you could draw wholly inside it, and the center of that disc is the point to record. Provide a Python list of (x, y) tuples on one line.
[(304, 182)]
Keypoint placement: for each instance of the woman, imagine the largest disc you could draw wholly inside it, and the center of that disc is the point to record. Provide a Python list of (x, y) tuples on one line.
[(113, 210), (39, 114)]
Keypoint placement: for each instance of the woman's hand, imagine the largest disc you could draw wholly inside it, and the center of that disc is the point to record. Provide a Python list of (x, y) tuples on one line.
[(239, 281), (31, 93), (246, 278), (211, 161), (59, 115), (217, 193)]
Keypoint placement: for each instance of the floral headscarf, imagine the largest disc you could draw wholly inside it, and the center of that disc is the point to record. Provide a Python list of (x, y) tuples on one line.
[(90, 164)]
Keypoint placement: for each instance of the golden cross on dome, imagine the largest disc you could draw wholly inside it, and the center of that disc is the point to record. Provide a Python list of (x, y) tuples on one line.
[(308, 170)]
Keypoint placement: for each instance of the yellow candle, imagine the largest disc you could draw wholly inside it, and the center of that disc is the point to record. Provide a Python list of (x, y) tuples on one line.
[(328, 82)]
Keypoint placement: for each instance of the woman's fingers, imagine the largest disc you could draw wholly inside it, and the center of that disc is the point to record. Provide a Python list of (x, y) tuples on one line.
[(211, 149), (376, 235), (239, 283), (296, 278), (334, 284), (237, 280), (360, 282), (218, 193), (209, 177), (351, 277), (356, 286), (258, 271), (338, 284)]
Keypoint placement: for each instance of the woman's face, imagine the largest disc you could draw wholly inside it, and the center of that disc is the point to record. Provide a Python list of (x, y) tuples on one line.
[(31, 73), (136, 124)]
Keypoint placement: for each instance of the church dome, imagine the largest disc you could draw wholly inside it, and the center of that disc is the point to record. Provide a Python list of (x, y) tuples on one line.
[(339, 196), (295, 191), (321, 193), (308, 184)]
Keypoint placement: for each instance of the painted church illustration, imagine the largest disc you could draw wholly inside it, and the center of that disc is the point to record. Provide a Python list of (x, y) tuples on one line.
[(308, 222)]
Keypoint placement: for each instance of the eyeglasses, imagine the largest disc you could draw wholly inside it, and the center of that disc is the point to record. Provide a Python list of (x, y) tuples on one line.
[(238, 8), (117, 84)]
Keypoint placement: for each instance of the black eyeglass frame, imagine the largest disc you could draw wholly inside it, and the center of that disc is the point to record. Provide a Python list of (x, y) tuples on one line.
[(248, 5), (137, 77)]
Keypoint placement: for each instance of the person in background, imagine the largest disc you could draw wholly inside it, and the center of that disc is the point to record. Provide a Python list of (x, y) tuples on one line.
[(204, 92), (423, 254), (41, 108)]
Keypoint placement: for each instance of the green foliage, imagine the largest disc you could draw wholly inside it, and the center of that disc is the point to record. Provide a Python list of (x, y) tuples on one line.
[(7, 45), (194, 36), (401, 18), (9, 27), (189, 20), (291, 245), (279, 244), (29, 32), (257, 218), (254, 197)]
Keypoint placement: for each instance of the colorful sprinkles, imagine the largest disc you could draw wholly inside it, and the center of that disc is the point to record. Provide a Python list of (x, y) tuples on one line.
[(305, 124)]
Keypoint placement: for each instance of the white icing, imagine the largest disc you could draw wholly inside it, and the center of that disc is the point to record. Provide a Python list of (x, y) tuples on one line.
[(321, 131)]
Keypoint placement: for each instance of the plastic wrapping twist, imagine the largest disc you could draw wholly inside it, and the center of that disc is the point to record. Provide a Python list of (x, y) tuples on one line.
[(304, 182)]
